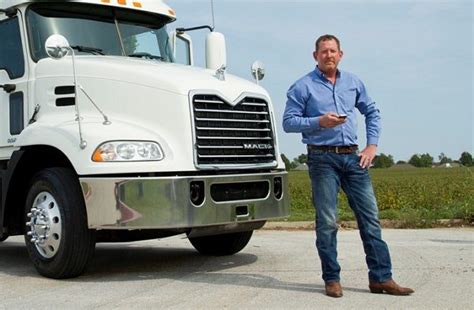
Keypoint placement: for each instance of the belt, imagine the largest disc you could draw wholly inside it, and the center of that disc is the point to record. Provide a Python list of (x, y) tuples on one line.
[(346, 149)]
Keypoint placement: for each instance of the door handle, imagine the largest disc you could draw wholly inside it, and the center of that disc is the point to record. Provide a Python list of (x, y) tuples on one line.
[(8, 87)]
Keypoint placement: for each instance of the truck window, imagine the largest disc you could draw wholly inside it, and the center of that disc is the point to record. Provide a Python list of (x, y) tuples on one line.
[(98, 31), (182, 51), (115, 31), (11, 53), (140, 40)]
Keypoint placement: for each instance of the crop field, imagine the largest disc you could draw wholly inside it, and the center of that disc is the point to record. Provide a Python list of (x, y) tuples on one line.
[(417, 197)]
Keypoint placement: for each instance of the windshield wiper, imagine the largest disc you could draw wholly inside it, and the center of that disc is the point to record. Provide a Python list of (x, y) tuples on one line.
[(146, 55), (87, 49)]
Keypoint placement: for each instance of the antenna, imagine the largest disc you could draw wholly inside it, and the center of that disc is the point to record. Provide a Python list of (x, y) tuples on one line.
[(212, 10)]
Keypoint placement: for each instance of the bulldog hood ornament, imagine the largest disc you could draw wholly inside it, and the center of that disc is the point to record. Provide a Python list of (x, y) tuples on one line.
[(220, 73)]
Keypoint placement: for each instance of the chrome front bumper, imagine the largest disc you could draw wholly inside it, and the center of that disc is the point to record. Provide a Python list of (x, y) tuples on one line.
[(164, 202)]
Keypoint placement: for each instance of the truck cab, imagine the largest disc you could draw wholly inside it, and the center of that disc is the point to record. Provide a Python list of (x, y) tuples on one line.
[(109, 133)]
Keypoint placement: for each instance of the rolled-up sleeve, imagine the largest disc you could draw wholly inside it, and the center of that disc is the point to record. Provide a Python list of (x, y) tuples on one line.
[(367, 107), (293, 117)]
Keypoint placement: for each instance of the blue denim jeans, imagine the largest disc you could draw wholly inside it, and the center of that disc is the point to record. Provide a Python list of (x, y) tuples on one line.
[(329, 172)]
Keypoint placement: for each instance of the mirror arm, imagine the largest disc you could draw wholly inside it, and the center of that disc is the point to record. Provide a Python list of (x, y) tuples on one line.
[(8, 87), (82, 142), (10, 12), (183, 30)]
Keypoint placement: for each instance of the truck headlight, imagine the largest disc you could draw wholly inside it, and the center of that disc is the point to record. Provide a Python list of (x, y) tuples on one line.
[(128, 151)]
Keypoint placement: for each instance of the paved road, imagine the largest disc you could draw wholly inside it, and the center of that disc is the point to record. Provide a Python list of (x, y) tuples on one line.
[(278, 269)]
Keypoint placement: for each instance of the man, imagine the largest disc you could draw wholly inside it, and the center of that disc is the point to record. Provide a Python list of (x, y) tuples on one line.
[(321, 105)]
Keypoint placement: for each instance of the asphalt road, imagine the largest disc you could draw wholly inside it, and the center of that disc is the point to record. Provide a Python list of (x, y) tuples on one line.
[(278, 269)]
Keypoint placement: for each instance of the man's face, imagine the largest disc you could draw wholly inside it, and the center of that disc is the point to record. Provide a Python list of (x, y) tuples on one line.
[(328, 56)]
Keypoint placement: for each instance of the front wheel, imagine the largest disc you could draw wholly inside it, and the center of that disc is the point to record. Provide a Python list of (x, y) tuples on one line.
[(3, 237), (220, 245), (57, 238)]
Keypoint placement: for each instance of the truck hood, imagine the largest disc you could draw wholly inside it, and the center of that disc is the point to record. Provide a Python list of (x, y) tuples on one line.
[(169, 77)]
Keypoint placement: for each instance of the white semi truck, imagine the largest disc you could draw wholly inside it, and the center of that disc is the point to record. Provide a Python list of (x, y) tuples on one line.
[(108, 133)]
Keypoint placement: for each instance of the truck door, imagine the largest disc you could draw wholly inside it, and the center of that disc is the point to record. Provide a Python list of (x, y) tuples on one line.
[(13, 81)]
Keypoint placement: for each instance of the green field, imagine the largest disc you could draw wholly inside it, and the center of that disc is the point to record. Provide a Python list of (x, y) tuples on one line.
[(418, 197)]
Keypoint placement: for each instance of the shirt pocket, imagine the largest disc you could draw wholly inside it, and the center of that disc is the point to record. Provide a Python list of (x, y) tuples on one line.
[(349, 98)]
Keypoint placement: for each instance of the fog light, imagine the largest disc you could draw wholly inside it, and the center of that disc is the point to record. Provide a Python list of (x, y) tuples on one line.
[(196, 192), (278, 187)]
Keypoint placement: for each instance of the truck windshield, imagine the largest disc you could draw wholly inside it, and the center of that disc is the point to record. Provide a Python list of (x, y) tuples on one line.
[(109, 30)]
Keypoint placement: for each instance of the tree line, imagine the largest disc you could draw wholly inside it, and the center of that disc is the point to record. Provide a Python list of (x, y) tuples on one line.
[(386, 160)]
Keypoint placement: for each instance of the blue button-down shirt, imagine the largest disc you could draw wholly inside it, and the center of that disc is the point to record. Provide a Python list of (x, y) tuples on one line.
[(314, 95)]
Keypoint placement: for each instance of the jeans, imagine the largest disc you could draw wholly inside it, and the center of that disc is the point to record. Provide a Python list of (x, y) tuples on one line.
[(329, 172)]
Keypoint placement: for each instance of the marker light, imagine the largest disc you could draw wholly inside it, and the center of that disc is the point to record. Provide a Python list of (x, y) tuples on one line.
[(120, 151), (124, 2)]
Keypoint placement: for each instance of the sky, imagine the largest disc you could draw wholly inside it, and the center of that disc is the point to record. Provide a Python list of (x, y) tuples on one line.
[(415, 58)]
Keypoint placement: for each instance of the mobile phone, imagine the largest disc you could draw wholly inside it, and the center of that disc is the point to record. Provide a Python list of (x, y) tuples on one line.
[(342, 116)]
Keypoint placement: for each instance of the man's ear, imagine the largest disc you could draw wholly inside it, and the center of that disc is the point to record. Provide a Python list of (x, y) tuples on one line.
[(341, 53), (314, 56)]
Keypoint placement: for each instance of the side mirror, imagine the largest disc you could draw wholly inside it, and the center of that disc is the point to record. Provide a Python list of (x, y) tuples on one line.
[(182, 47), (258, 70), (57, 46), (216, 56)]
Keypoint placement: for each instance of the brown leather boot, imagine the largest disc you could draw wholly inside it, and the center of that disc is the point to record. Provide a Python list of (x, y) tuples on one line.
[(333, 289), (390, 287)]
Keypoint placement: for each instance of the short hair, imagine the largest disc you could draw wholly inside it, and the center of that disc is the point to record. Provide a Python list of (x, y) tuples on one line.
[(327, 37)]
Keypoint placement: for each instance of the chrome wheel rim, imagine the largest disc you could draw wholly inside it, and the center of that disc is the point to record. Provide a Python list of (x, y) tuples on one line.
[(44, 226)]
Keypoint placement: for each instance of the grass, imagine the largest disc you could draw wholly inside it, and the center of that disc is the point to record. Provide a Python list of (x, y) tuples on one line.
[(417, 197)]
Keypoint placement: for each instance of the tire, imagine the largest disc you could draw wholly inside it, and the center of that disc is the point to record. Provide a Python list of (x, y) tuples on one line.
[(57, 238), (3, 238), (220, 245)]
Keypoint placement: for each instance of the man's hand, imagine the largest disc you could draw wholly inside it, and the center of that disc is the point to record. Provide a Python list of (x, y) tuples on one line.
[(330, 120), (367, 155)]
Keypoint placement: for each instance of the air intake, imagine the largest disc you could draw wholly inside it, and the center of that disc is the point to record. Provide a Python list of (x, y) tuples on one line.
[(65, 96)]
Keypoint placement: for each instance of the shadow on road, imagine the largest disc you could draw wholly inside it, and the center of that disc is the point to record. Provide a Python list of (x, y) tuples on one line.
[(128, 262)]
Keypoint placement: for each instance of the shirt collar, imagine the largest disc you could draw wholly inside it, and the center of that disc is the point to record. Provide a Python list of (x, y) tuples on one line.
[(321, 74)]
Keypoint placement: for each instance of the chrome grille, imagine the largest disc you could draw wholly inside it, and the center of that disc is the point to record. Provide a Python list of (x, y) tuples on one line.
[(225, 134)]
